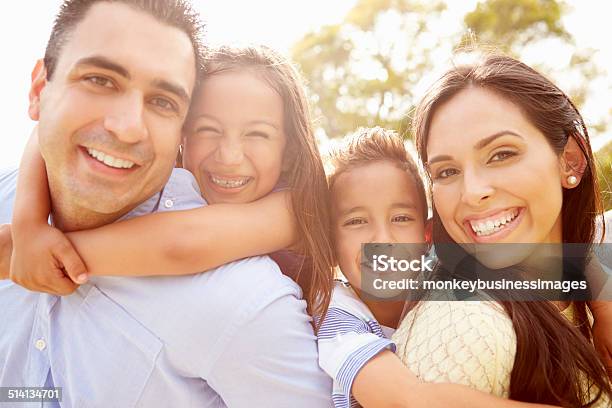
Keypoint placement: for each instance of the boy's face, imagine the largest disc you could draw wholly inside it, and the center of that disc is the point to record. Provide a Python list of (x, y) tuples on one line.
[(376, 202)]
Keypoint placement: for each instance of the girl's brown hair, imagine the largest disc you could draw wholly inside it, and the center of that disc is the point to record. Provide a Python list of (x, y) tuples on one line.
[(302, 172), (555, 362)]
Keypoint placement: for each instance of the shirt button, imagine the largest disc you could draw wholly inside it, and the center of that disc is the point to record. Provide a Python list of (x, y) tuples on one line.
[(40, 344), (168, 203)]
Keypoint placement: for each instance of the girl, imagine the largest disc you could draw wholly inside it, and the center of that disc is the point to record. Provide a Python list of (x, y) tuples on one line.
[(509, 159), (248, 141)]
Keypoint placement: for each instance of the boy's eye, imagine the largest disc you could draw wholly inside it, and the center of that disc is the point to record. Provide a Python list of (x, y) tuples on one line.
[(402, 218), (354, 221), (501, 156), (100, 81)]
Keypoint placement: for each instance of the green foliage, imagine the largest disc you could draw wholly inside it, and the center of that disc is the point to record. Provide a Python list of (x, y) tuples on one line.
[(604, 166), (513, 24), (363, 70)]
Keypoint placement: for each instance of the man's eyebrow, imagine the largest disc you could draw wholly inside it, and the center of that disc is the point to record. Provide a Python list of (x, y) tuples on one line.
[(172, 88), (481, 143), (104, 63)]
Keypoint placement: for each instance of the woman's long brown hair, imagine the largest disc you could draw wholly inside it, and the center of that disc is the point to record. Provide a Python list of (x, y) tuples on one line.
[(303, 171), (555, 361)]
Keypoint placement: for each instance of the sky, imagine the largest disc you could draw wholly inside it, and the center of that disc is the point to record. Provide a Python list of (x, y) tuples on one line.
[(25, 26)]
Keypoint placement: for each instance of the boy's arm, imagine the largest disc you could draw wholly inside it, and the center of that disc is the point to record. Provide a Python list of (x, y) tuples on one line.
[(385, 382), (190, 241)]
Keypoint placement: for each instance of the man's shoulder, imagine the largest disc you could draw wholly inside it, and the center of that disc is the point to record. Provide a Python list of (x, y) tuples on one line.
[(255, 274)]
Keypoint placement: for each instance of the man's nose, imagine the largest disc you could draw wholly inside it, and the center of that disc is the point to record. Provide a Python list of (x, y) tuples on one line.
[(477, 188), (126, 120), (229, 151)]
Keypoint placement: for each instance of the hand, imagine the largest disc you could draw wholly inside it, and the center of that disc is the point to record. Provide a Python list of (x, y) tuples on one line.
[(6, 247), (601, 332), (44, 260)]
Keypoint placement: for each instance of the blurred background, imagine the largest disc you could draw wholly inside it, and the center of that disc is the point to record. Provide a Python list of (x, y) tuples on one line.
[(367, 62)]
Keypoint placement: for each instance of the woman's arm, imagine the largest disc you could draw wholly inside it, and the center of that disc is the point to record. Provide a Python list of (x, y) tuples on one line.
[(188, 242), (385, 382)]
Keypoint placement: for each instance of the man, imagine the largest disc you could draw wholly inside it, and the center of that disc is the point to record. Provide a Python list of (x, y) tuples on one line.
[(117, 78)]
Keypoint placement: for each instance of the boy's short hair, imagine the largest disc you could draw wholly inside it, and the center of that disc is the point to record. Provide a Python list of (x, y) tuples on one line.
[(367, 145)]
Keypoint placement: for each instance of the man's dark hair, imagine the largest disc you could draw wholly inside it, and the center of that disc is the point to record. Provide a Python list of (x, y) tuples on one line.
[(175, 13)]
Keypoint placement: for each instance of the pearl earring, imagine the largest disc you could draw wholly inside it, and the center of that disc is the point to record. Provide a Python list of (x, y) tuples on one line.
[(572, 180)]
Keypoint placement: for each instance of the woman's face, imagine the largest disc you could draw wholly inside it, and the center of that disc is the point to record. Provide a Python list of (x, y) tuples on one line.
[(235, 138), (495, 177)]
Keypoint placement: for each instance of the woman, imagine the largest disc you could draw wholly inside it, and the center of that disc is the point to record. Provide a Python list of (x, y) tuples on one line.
[(509, 161)]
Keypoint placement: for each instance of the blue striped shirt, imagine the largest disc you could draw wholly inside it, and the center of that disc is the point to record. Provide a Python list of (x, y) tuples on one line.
[(349, 337)]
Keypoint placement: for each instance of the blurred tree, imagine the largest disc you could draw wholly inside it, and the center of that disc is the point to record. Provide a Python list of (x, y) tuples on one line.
[(518, 26), (362, 71), (513, 24), (365, 70)]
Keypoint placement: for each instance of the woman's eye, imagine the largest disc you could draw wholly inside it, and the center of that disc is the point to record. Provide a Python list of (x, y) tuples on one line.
[(446, 173), (100, 81), (164, 104), (354, 221), (501, 156), (402, 218)]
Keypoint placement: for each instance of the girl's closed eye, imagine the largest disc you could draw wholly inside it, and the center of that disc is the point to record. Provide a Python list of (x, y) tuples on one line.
[(259, 134), (207, 131)]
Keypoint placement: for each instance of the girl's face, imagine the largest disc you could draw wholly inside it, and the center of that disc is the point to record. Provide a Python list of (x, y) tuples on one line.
[(375, 202), (495, 177), (235, 138)]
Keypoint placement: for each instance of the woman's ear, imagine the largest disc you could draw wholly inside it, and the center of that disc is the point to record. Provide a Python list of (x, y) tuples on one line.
[(572, 163)]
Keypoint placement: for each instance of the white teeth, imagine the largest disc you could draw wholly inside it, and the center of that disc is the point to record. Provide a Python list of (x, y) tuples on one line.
[(110, 160), (491, 226), (229, 183)]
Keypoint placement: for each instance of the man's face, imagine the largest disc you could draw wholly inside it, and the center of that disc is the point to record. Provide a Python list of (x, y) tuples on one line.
[(110, 118)]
